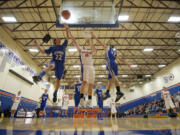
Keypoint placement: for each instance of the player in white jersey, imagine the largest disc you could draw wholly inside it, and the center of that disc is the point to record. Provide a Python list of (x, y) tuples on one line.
[(16, 101), (87, 70), (113, 108), (65, 103), (166, 95)]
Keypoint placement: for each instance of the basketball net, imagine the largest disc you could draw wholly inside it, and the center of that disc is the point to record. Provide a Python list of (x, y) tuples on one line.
[(87, 31)]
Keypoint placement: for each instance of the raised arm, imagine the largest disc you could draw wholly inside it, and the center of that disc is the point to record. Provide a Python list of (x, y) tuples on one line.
[(38, 46), (92, 46), (123, 61), (67, 31), (74, 41), (102, 44)]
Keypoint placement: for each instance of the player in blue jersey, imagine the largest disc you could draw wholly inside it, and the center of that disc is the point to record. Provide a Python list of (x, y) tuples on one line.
[(58, 52), (99, 95), (77, 86), (112, 67), (44, 99)]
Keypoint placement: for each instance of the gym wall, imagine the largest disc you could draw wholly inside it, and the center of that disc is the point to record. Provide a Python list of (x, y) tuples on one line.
[(11, 83)]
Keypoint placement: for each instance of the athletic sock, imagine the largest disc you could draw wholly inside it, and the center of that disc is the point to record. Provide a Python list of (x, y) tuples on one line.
[(118, 89), (81, 96), (42, 74), (90, 97)]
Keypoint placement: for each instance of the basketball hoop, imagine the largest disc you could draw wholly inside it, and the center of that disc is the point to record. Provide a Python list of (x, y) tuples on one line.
[(87, 32)]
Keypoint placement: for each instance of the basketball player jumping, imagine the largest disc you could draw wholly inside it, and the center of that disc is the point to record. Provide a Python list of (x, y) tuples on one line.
[(58, 53), (112, 67), (87, 70)]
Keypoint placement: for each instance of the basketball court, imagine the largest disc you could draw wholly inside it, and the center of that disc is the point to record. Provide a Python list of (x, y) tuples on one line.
[(131, 46)]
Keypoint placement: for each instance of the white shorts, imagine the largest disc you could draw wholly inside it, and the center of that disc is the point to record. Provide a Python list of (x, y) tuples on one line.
[(88, 74), (15, 106), (169, 104), (65, 107), (113, 110)]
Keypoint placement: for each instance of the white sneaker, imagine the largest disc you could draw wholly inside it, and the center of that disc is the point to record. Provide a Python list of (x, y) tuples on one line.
[(89, 104), (81, 104)]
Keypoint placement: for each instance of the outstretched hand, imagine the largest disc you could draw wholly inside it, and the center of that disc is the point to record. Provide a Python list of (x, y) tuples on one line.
[(35, 41)]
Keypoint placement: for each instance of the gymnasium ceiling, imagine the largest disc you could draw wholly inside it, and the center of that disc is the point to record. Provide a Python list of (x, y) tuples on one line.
[(147, 27)]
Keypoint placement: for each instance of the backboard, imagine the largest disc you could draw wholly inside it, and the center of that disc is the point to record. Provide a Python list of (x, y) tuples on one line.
[(89, 13)]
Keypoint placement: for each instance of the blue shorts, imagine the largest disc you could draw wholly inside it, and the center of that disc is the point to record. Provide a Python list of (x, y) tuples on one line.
[(100, 102), (112, 69), (77, 99), (59, 70), (42, 107)]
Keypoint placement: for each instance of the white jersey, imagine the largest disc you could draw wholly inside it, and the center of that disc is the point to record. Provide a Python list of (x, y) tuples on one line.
[(17, 99), (86, 57), (113, 104), (166, 95), (65, 99)]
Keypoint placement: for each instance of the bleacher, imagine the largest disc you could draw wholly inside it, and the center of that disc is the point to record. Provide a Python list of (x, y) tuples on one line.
[(151, 105)]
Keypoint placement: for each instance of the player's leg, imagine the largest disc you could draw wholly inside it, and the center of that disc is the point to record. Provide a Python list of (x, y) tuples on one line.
[(59, 70), (76, 100), (117, 84), (82, 93), (118, 92), (89, 102), (84, 82), (107, 93), (110, 74), (173, 106), (13, 109), (167, 104), (56, 90), (38, 78), (115, 115), (100, 104), (91, 76)]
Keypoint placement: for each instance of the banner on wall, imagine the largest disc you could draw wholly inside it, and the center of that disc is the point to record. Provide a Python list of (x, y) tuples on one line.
[(8, 57)]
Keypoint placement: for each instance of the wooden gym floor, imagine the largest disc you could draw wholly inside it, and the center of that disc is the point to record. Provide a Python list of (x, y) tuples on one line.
[(90, 126)]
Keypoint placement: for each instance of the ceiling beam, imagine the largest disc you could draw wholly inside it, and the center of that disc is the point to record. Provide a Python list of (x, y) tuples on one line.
[(155, 38), (124, 22), (58, 6)]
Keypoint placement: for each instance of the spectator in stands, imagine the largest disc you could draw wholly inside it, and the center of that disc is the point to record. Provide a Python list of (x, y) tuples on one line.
[(168, 100), (16, 101), (177, 100), (153, 109)]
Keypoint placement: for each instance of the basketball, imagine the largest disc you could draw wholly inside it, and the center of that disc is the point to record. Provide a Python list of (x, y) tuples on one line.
[(66, 14)]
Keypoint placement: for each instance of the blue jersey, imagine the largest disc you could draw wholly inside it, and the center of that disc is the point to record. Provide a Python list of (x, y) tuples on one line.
[(99, 93), (44, 98), (110, 55), (77, 88), (58, 52)]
